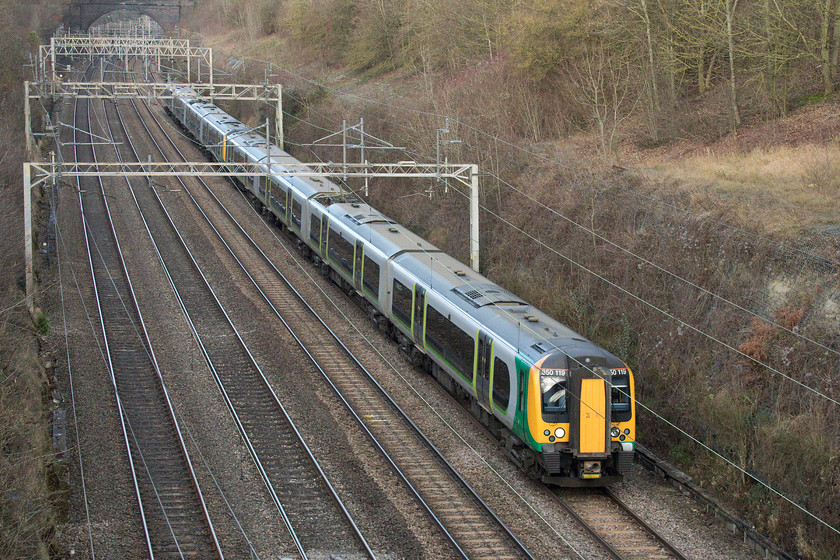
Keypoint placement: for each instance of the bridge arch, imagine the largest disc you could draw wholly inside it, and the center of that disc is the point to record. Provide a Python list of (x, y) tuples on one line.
[(113, 20), (167, 13)]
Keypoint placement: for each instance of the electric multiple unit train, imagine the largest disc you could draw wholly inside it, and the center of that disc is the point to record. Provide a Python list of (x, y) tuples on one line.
[(562, 407)]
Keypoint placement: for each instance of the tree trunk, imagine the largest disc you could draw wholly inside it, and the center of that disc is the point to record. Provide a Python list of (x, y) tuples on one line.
[(653, 84), (702, 83), (825, 53), (709, 69), (835, 58), (730, 12), (672, 57), (769, 78)]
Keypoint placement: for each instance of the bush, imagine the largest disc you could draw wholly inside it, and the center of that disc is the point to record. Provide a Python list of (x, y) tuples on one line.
[(322, 27)]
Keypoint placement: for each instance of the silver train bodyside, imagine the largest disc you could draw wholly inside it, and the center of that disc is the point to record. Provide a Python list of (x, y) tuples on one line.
[(478, 339)]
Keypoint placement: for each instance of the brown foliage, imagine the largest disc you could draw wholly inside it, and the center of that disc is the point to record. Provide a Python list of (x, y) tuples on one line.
[(757, 345), (26, 510)]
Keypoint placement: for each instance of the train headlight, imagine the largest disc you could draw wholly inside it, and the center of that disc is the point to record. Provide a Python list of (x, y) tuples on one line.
[(547, 432), (614, 431), (559, 432), (626, 431)]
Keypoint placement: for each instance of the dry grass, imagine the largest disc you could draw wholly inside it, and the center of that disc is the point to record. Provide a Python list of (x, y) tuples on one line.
[(778, 189)]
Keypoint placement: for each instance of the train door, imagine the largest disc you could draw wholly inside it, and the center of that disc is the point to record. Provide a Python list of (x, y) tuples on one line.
[(325, 233), (357, 266), (418, 312), (589, 411), (484, 363), (593, 416)]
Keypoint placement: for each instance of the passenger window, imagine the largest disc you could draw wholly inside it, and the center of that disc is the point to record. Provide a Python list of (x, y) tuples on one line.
[(501, 384), (401, 303), (341, 252), (296, 212), (315, 228), (450, 342), (371, 277), (437, 330), (462, 353), (281, 201)]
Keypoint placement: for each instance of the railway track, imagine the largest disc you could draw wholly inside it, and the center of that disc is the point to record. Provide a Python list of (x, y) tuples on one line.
[(472, 527), (319, 525), (609, 521), (172, 509), (622, 533)]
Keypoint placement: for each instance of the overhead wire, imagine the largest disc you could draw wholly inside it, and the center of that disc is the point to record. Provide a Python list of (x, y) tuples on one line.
[(105, 361), (640, 299), (815, 256), (642, 405), (662, 269), (654, 306), (411, 385), (678, 277), (558, 533), (650, 410), (90, 236), (54, 199)]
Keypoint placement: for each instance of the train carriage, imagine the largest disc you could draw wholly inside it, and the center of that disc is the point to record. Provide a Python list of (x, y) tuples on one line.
[(562, 407)]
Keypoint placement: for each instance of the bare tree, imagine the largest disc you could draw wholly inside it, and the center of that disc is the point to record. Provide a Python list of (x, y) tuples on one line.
[(730, 6), (603, 84), (826, 16), (641, 12)]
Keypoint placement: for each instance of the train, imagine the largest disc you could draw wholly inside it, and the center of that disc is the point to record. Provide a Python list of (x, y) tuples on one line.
[(561, 407)]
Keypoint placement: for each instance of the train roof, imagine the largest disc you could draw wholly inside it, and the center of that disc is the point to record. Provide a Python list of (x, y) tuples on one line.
[(527, 329), (254, 144), (380, 231), (531, 332)]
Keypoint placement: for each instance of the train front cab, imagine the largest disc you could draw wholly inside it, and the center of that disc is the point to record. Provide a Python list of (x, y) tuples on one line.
[(581, 419)]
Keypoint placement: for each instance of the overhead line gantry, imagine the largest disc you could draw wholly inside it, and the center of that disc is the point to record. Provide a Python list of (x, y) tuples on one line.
[(123, 46), (50, 86)]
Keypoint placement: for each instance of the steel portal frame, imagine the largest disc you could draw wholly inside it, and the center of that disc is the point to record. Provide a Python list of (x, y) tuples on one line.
[(122, 46), (40, 173), (271, 94)]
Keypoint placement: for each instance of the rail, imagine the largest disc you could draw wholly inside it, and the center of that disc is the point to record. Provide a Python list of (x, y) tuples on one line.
[(172, 508), (274, 443), (323, 353)]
